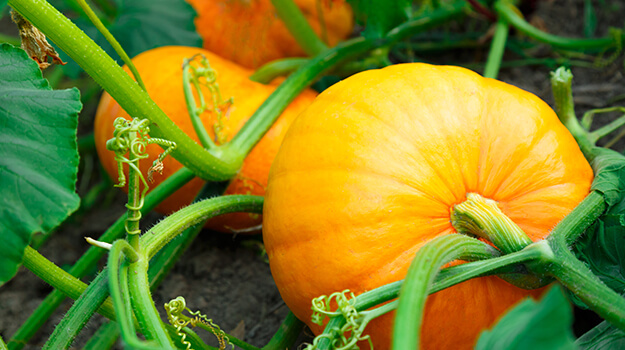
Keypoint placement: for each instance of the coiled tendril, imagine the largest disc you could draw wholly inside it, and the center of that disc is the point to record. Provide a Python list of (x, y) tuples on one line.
[(176, 318)]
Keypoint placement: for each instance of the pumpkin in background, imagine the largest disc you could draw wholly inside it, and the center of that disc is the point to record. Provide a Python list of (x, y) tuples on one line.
[(161, 71), (369, 173), (250, 33)]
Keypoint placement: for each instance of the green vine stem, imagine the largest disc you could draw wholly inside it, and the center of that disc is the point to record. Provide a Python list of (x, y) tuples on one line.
[(59, 279), (421, 274), (446, 278), (561, 81), (589, 116), (286, 335), (69, 327), (120, 294), (577, 221), (194, 112), (271, 108), (580, 280), (506, 10), (299, 27), (277, 68), (479, 216), (3, 345), (88, 261), (164, 231), (123, 89), (111, 39), (497, 48), (142, 303)]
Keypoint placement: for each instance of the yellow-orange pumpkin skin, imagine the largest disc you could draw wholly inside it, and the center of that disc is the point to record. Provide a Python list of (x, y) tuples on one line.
[(369, 172), (161, 71), (250, 33)]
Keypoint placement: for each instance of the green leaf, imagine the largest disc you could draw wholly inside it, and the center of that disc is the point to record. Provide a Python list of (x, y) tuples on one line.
[(533, 325), (602, 248), (3, 8), (380, 16), (603, 336), (609, 168), (38, 155), (141, 25)]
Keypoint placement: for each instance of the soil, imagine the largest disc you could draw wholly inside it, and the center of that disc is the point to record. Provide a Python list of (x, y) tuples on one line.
[(226, 276)]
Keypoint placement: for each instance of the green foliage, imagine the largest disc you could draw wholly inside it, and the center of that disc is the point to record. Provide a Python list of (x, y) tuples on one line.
[(140, 25), (380, 16), (3, 8), (603, 249), (604, 336), (609, 168), (533, 325), (38, 155)]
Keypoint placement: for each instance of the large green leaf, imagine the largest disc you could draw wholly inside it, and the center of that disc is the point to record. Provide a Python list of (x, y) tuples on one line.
[(602, 337), (533, 325), (141, 25), (380, 16), (38, 155)]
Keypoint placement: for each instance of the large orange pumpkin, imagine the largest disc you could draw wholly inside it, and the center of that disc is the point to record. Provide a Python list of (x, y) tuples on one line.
[(161, 71), (369, 173), (250, 33)]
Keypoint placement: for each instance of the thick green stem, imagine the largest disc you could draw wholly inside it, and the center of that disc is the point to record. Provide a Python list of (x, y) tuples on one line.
[(482, 217), (123, 89), (277, 68), (111, 39), (497, 48), (78, 315), (446, 278), (134, 205), (299, 27), (143, 305), (421, 274), (89, 260), (164, 231), (286, 335), (561, 81), (59, 279), (508, 12), (585, 213), (577, 277)]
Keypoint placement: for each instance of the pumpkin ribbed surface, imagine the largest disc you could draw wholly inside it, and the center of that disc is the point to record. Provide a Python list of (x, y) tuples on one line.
[(161, 71), (369, 173), (250, 33)]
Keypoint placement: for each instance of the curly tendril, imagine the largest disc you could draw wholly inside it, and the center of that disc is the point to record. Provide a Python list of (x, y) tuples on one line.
[(131, 137), (601, 61), (205, 75), (176, 318), (350, 334)]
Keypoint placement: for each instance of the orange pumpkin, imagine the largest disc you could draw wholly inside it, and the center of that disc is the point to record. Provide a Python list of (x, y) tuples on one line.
[(369, 173), (161, 71), (250, 33)]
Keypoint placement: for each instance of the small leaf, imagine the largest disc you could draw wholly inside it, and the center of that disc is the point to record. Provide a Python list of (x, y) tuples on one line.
[(141, 25), (38, 155), (603, 336), (533, 325), (380, 16)]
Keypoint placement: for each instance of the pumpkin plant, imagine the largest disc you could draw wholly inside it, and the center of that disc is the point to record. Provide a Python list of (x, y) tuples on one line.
[(396, 183), (229, 98)]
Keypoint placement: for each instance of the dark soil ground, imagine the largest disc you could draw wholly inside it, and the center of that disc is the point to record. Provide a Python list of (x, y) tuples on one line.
[(227, 277)]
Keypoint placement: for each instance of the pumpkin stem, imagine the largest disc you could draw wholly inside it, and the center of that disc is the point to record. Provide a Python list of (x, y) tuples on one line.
[(479, 216)]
